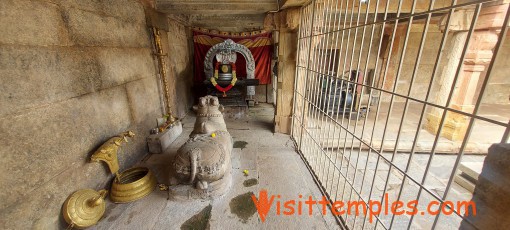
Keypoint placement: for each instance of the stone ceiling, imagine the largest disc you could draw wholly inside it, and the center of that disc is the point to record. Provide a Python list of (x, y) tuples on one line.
[(248, 15), (224, 15)]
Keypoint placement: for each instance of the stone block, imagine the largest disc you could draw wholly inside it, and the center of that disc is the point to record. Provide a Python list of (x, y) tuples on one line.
[(42, 199), (498, 159), (41, 208), (35, 76), (119, 65), (251, 103), (176, 30), (31, 23), (179, 67), (127, 10), (261, 93), (44, 142), (454, 128), (156, 19), (492, 191), (181, 62), (144, 99), (91, 29), (464, 182), (282, 124), (159, 142), (497, 93)]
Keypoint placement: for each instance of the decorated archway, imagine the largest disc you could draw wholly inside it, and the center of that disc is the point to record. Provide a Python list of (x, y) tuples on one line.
[(225, 50)]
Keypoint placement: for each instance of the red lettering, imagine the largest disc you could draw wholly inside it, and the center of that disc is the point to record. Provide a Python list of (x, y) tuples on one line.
[(371, 210), (356, 204), (412, 205), (447, 210), (467, 208), (324, 204), (338, 205), (287, 205), (310, 202), (395, 206), (263, 204), (430, 205)]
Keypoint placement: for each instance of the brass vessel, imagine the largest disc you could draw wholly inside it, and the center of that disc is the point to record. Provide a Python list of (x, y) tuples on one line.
[(130, 185), (84, 208)]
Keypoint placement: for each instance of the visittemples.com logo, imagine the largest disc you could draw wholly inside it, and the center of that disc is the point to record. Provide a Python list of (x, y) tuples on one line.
[(305, 206)]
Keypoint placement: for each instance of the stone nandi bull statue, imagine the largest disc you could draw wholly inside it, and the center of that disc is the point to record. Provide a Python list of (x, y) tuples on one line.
[(205, 157)]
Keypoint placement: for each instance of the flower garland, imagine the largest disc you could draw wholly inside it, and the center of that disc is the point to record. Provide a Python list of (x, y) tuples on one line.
[(232, 83)]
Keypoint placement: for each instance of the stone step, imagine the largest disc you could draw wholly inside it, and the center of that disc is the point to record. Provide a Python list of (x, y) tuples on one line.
[(468, 174)]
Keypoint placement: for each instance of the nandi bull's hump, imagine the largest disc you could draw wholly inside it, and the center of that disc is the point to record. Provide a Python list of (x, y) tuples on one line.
[(213, 154)]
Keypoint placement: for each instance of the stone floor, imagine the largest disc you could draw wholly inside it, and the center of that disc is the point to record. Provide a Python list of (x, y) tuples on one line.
[(340, 167), (273, 165), (369, 176), (483, 135)]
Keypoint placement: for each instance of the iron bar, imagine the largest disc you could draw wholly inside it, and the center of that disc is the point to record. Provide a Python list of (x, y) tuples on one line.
[(499, 43), (320, 126), (495, 122)]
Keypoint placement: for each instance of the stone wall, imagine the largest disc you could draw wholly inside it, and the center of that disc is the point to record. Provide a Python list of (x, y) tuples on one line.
[(74, 73), (498, 89), (180, 66), (426, 65)]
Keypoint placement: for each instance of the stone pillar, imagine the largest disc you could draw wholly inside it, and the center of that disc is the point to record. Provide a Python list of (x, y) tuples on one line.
[(395, 52), (478, 56), (287, 23)]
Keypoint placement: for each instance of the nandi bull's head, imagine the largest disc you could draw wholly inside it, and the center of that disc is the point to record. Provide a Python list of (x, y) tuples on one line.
[(209, 116)]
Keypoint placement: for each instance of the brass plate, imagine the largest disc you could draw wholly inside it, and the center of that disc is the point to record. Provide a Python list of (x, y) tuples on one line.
[(84, 208)]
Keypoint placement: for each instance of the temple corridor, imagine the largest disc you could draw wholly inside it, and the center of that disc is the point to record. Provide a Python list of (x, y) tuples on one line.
[(272, 165), (244, 114)]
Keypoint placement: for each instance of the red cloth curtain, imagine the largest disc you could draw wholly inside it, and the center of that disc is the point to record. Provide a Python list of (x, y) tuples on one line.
[(260, 46)]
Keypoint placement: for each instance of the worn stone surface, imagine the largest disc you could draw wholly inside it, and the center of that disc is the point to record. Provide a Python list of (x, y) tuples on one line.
[(242, 15), (120, 66), (41, 25), (492, 191), (286, 77), (127, 10), (180, 68), (199, 221), (498, 89), (143, 99), (92, 29), (276, 168), (160, 141), (74, 73), (35, 76)]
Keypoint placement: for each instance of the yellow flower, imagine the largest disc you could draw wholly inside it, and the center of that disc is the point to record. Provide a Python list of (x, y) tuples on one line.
[(213, 135)]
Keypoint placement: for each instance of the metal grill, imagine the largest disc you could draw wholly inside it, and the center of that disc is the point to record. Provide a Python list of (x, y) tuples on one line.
[(370, 76)]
